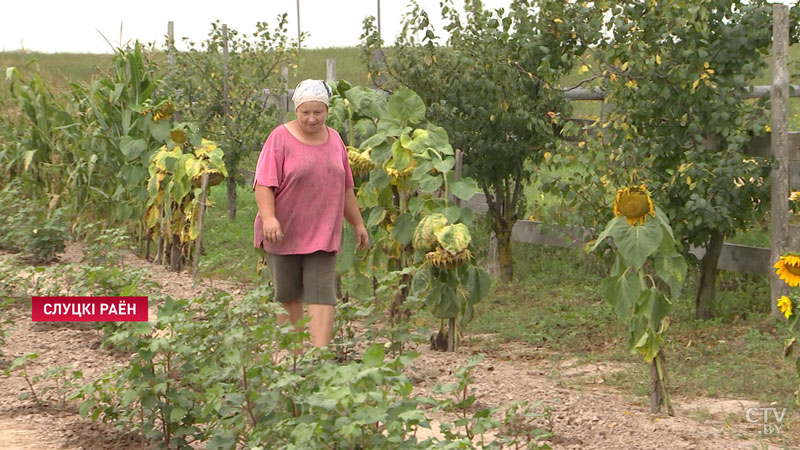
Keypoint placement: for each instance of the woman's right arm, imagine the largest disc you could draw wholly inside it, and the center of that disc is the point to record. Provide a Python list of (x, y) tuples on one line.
[(265, 198)]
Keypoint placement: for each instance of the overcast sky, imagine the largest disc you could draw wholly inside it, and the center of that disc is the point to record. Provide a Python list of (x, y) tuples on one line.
[(75, 26)]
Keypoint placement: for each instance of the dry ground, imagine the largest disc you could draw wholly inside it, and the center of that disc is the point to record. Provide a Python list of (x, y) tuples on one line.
[(580, 410)]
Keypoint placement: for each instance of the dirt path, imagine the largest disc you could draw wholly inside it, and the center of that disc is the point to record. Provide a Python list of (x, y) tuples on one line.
[(581, 411)]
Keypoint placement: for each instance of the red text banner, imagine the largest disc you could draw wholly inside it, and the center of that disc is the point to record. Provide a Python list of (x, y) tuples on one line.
[(89, 309)]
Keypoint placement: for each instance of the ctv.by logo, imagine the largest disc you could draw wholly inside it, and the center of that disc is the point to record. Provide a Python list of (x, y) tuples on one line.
[(766, 416)]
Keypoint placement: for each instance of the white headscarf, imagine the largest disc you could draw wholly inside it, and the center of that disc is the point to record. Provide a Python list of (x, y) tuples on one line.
[(311, 91)]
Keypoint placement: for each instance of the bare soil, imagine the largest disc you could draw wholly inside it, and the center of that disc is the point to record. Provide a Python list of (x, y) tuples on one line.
[(580, 410)]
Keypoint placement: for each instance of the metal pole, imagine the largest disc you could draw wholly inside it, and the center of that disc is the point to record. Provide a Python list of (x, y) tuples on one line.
[(298, 24), (379, 20), (779, 141)]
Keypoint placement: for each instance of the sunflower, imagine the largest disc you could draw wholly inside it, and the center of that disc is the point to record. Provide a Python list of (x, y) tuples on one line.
[(178, 136), (788, 268), (443, 259), (634, 203), (785, 305)]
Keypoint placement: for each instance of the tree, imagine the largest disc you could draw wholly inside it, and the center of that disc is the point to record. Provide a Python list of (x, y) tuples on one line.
[(675, 74), (226, 96), (492, 87)]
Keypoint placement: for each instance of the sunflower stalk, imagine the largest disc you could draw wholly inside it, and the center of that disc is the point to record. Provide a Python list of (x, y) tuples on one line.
[(645, 253)]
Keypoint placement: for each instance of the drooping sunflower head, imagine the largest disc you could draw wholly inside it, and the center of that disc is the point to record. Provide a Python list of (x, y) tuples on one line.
[(634, 203), (360, 163), (178, 136), (788, 268), (785, 305), (443, 259)]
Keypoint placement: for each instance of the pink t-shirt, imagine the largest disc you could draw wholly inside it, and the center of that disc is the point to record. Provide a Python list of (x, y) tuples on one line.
[(310, 183)]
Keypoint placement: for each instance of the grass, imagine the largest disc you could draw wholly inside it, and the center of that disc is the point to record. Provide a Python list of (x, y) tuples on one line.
[(554, 304), (229, 244)]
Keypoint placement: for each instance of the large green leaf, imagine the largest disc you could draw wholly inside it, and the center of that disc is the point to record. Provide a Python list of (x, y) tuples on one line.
[(405, 105), (672, 269), (636, 243), (160, 130), (477, 283), (414, 144), (610, 229), (401, 156), (453, 213), (464, 189), (376, 216), (347, 257), (454, 238), (403, 229), (373, 356), (659, 308), (426, 230), (430, 183), (442, 301), (438, 140), (622, 292), (420, 280), (131, 147), (367, 102), (389, 126)]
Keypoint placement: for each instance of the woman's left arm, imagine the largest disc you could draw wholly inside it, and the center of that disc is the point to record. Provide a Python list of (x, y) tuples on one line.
[(353, 215)]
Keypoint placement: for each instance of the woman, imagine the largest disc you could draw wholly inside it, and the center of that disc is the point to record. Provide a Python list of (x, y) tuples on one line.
[(304, 187)]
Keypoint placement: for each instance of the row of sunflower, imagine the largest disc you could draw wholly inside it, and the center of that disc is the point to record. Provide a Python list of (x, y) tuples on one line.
[(788, 268)]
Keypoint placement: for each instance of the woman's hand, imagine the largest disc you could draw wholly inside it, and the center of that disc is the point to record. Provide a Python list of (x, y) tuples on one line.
[(272, 229), (362, 237)]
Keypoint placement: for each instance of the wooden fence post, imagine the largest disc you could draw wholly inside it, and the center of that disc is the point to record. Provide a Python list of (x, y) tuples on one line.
[(330, 70), (779, 177), (284, 103), (199, 242), (171, 43)]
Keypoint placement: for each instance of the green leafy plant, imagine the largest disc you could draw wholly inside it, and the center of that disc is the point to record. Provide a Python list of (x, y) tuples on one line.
[(174, 189), (20, 367), (646, 261), (46, 240)]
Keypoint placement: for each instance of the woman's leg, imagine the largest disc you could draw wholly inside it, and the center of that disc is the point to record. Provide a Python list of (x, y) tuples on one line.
[(321, 324), (294, 312)]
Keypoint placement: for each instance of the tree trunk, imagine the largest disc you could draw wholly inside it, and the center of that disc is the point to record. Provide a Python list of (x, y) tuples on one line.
[(708, 277), (504, 258), (175, 254), (231, 197)]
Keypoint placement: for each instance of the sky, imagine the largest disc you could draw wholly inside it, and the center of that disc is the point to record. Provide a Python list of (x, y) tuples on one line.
[(78, 26)]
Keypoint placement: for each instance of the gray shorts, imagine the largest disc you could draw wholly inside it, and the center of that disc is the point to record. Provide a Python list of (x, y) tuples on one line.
[(308, 278)]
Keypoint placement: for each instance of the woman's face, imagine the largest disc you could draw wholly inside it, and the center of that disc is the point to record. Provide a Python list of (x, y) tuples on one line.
[(311, 116)]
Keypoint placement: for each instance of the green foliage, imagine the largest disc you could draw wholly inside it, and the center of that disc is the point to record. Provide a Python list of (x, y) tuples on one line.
[(492, 87), (47, 239), (206, 371), (412, 173), (175, 187), (678, 116), (632, 289), (225, 95)]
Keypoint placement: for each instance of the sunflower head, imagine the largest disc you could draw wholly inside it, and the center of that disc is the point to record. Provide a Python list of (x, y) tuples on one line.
[(788, 268), (178, 136), (443, 259), (785, 305), (634, 203)]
